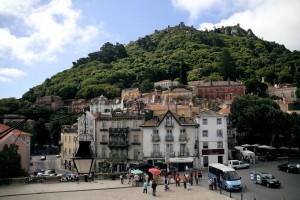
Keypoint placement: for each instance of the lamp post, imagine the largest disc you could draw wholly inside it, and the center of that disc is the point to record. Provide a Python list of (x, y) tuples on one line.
[(84, 157)]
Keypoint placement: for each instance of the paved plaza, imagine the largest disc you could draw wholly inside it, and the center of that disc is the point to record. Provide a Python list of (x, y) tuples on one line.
[(103, 189)]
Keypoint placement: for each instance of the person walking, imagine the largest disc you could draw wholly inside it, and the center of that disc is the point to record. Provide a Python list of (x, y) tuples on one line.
[(177, 180), (145, 186), (184, 180), (154, 185), (121, 178), (166, 183), (210, 184)]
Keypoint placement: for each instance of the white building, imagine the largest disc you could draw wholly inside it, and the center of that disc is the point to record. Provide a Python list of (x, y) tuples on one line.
[(213, 145), (170, 138), (166, 84), (104, 106)]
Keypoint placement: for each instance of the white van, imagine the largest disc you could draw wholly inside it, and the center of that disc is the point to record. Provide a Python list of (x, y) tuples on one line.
[(236, 164)]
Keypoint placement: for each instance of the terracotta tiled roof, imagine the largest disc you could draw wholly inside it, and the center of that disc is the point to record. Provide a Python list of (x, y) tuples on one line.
[(15, 131), (224, 111)]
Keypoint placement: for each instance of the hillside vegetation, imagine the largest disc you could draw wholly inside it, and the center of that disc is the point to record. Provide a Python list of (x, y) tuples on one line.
[(178, 52)]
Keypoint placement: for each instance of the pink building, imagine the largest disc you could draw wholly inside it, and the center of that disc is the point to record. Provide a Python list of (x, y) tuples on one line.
[(20, 138)]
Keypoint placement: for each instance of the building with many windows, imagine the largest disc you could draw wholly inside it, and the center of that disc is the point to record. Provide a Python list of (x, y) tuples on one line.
[(170, 138), (213, 145), (68, 137)]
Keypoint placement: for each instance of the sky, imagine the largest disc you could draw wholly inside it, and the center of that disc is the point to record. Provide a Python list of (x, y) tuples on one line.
[(40, 38)]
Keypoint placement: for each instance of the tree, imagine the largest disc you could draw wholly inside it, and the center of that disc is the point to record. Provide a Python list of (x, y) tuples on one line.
[(254, 86), (183, 73), (259, 118), (227, 67), (41, 133), (10, 162)]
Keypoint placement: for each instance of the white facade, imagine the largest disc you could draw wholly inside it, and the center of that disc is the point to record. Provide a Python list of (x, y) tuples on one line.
[(213, 145), (170, 138)]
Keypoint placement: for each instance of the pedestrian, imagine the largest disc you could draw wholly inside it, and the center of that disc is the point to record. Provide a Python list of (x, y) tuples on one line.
[(196, 176), (154, 185), (199, 175), (177, 180), (166, 183), (121, 178), (145, 185), (210, 184), (184, 180), (128, 178), (137, 179)]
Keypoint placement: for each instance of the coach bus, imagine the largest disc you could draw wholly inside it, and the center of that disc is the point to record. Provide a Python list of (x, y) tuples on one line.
[(224, 176)]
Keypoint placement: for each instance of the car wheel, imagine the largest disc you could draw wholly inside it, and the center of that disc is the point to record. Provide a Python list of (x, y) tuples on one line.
[(288, 170), (268, 185)]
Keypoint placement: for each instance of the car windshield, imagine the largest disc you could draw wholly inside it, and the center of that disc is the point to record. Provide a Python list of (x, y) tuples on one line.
[(269, 176), (231, 176)]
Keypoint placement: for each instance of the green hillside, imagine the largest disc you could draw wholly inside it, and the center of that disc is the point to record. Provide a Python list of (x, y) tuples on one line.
[(173, 53)]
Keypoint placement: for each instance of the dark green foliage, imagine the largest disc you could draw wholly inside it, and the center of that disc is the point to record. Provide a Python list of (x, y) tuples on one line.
[(10, 162), (261, 119), (207, 55), (254, 86)]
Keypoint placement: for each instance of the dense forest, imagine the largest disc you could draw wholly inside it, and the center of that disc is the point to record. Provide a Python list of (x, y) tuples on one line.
[(180, 53)]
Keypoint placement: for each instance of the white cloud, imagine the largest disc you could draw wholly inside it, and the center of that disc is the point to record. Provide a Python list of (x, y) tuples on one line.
[(7, 74), (272, 20), (50, 28)]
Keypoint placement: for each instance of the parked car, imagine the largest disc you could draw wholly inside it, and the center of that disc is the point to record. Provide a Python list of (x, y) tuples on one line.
[(288, 167), (266, 179), (49, 172), (236, 164), (43, 157)]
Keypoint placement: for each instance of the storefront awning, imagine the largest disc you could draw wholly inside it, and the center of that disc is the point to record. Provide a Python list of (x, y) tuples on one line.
[(181, 160)]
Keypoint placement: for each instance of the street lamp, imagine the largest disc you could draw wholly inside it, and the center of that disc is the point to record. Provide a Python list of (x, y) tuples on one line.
[(84, 157)]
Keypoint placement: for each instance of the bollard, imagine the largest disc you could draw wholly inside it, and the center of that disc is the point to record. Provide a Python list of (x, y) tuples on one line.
[(220, 190), (254, 198), (230, 194), (242, 195)]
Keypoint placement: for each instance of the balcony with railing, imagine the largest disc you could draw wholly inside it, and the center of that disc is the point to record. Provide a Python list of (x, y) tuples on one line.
[(183, 138), (155, 138), (169, 138), (135, 143), (104, 142), (118, 130), (118, 144), (172, 154), (183, 154), (156, 154)]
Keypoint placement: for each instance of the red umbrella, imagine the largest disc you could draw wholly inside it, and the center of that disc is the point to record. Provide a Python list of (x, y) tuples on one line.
[(154, 171)]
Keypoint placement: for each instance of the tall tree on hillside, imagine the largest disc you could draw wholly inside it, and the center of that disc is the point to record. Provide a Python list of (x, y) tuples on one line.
[(41, 133), (183, 72), (227, 67)]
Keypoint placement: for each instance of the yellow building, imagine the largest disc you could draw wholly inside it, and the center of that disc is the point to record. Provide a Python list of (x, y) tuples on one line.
[(130, 94), (68, 137)]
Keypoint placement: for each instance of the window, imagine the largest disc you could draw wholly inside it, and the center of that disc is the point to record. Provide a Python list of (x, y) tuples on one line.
[(219, 133), (104, 138), (205, 133), (182, 131), (136, 154), (204, 121), (70, 151), (135, 124), (66, 150), (119, 124), (170, 147), (182, 149), (104, 125), (220, 145), (103, 152), (114, 124), (155, 132), (219, 121), (66, 138), (292, 94), (135, 138), (124, 124), (69, 138), (205, 145), (169, 132), (74, 138), (156, 148)]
